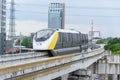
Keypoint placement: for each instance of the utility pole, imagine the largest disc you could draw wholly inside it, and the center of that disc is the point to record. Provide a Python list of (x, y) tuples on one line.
[(12, 34), (20, 40), (91, 33), (12, 20)]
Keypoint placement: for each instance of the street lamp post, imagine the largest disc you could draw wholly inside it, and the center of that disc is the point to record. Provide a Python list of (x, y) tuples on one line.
[(91, 34), (20, 41)]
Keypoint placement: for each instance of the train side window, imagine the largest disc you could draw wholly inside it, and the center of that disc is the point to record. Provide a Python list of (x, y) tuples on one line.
[(63, 37), (83, 38), (79, 37), (60, 36), (70, 39), (67, 36), (73, 37)]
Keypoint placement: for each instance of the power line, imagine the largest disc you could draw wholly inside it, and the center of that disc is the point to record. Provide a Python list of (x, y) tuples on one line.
[(94, 8), (77, 15), (69, 7), (95, 15), (75, 7), (12, 20)]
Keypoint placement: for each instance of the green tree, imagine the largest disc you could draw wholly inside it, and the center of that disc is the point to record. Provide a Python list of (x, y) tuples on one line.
[(26, 42), (101, 41), (113, 45)]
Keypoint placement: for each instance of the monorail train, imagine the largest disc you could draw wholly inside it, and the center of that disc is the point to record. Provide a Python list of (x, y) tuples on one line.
[(59, 41)]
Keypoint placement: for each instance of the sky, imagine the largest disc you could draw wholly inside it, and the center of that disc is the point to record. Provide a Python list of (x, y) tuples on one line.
[(32, 15)]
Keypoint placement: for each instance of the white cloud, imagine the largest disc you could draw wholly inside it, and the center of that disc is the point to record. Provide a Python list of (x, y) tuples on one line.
[(108, 26), (27, 27), (83, 28), (30, 26)]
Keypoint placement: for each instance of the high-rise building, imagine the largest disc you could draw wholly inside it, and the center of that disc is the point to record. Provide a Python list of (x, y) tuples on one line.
[(56, 15), (2, 26)]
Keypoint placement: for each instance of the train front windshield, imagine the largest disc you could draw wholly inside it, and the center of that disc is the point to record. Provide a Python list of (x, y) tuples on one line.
[(43, 35)]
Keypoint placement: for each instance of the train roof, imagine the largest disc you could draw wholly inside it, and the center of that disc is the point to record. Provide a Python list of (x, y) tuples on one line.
[(63, 30), (68, 31)]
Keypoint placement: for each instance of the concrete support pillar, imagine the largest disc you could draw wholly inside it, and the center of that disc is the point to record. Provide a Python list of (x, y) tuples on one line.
[(93, 68), (83, 78), (106, 76), (80, 78), (83, 74), (110, 77), (97, 67), (115, 77), (64, 77), (119, 77)]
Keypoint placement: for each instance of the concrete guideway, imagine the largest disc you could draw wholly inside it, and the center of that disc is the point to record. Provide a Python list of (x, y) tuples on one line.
[(53, 72), (44, 72), (69, 63)]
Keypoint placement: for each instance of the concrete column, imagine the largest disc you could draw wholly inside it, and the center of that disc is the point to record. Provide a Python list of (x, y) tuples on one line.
[(110, 77), (97, 67), (64, 77), (118, 77), (106, 76), (114, 76), (80, 78), (83, 78)]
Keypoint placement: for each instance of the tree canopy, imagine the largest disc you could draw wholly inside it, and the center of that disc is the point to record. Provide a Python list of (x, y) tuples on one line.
[(113, 45), (26, 42), (101, 41)]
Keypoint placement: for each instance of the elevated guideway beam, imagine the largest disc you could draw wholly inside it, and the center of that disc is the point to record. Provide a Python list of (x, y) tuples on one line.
[(59, 65)]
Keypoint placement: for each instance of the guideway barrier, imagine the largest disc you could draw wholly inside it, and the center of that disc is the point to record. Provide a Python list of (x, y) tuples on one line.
[(12, 57)]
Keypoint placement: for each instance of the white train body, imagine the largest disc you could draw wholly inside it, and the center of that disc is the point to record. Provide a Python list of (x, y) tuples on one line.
[(53, 39)]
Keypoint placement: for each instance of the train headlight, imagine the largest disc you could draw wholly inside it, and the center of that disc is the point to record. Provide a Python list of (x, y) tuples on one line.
[(40, 43)]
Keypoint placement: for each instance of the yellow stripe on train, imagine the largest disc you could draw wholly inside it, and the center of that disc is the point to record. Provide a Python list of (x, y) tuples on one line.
[(53, 42)]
